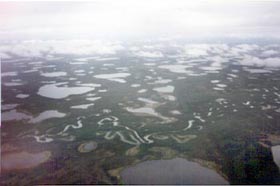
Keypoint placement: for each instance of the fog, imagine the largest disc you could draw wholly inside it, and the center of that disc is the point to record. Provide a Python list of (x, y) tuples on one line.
[(145, 18)]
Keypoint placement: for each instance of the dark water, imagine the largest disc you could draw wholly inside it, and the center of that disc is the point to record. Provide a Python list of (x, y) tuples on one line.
[(175, 171)]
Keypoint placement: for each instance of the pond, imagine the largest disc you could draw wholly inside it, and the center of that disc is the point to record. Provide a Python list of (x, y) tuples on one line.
[(174, 171)]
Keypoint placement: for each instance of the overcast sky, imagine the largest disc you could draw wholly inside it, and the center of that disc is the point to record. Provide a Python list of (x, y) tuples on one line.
[(149, 18)]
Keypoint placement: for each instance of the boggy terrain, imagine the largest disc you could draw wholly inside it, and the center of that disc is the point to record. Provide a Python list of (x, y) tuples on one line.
[(86, 119)]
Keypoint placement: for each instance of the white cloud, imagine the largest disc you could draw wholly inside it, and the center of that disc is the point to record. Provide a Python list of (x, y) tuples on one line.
[(217, 60), (196, 50), (155, 54), (269, 53), (219, 48), (250, 54), (247, 47), (258, 62), (201, 50), (4, 55), (242, 49), (36, 48)]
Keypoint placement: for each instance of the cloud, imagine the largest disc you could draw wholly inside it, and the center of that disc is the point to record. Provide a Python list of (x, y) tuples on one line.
[(217, 61), (202, 50), (4, 55), (39, 48), (269, 53), (249, 60), (209, 56), (155, 54), (244, 54), (242, 49), (196, 50)]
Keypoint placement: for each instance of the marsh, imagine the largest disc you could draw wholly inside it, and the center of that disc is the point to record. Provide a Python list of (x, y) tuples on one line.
[(143, 100)]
